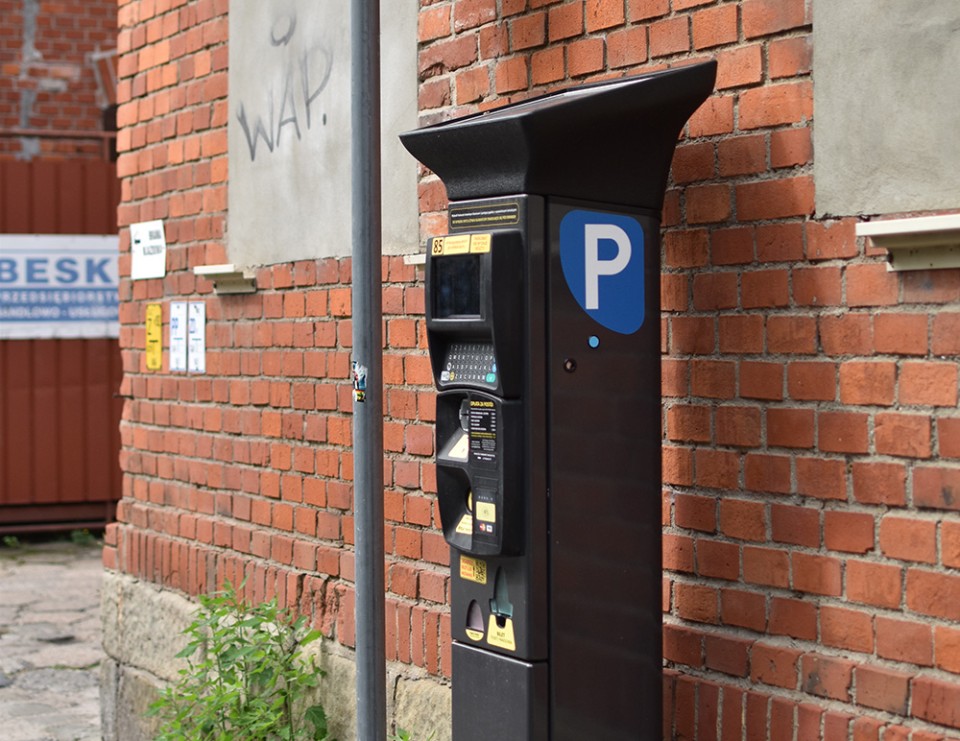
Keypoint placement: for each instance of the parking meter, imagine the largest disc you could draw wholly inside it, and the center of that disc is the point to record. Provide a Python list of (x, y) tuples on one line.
[(543, 329)]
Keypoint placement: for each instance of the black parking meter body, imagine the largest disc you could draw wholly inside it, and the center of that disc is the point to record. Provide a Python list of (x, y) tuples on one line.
[(544, 334)]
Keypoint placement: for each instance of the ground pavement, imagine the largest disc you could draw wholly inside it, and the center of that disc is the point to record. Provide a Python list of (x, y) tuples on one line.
[(50, 650)]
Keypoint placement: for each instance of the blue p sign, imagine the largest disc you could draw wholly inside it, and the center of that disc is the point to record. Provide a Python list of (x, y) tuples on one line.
[(602, 259)]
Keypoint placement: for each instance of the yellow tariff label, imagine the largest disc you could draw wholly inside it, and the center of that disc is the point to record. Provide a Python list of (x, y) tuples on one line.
[(473, 569), (501, 637), (480, 242), (436, 246), (465, 526), (456, 245), (154, 334), (474, 635), (486, 511)]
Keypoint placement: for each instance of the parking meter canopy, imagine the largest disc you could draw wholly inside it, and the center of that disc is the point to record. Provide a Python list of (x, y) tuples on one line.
[(609, 142)]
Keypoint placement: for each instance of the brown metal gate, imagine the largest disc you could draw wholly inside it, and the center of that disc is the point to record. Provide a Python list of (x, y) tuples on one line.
[(59, 404)]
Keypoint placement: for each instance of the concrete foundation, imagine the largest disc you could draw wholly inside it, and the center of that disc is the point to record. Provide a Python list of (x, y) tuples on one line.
[(143, 631)]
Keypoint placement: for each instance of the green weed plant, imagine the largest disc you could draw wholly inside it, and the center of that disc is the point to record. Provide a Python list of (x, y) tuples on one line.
[(246, 677)]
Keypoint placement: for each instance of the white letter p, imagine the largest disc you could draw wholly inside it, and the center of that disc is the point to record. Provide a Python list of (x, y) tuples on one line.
[(594, 267)]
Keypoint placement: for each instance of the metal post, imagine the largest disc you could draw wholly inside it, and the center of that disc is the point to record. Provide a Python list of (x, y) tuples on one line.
[(368, 371)]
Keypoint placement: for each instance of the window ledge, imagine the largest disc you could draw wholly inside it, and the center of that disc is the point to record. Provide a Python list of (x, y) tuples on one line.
[(920, 243), (228, 278)]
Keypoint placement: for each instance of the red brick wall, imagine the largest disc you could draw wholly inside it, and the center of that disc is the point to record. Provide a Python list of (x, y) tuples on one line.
[(811, 434), (47, 58)]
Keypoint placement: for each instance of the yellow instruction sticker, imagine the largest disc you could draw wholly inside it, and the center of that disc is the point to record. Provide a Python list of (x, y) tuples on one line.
[(436, 246), (465, 526), (474, 635), (154, 346), (486, 511), (480, 242), (501, 637), (473, 569), (456, 245)]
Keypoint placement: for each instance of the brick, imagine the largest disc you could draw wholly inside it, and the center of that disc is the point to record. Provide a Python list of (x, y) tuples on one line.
[(743, 520), (688, 423), (847, 334), (879, 483), (741, 334), (761, 380), (528, 31), (874, 584), (714, 116), (902, 640), (790, 428), (846, 629), (867, 383), (511, 75), (791, 148), (768, 473), (850, 532), (433, 23), (882, 689), (731, 246), (708, 204), (795, 525), (774, 666), (727, 655), (950, 544), (947, 648), (928, 383), (718, 560), (742, 155), (695, 513), (739, 67), (945, 335), (696, 602), (774, 199), (765, 17), (871, 285), (678, 553), (906, 435), (712, 379), (811, 381), (765, 289), (585, 57), (640, 10), (716, 469), (469, 14), (547, 66), (796, 335), (794, 618), (842, 432), (826, 677), (934, 594), (818, 286), (603, 14), (682, 646), (908, 539), (738, 426), (743, 609), (948, 434), (714, 26), (790, 57), (936, 488), (900, 334), (936, 701), (766, 566), (670, 36), (627, 48), (816, 574)]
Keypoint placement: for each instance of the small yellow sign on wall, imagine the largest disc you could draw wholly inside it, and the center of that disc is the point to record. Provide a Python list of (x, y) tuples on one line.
[(154, 341)]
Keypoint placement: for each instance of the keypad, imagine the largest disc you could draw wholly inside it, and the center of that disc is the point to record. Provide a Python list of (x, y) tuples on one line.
[(470, 363)]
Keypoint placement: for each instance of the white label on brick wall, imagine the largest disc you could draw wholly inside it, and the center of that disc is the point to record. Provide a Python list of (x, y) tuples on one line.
[(148, 250), (197, 337), (178, 337)]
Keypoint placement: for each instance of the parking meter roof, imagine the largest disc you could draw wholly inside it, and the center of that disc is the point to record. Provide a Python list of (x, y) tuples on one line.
[(609, 142)]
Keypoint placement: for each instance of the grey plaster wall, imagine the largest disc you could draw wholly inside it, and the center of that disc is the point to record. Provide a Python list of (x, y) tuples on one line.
[(289, 129), (142, 633), (886, 105)]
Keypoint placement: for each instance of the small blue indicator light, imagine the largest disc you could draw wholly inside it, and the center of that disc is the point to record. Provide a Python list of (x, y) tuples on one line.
[(593, 341), (491, 378)]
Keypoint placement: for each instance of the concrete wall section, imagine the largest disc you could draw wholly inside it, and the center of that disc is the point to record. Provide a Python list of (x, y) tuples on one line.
[(142, 633), (887, 103), (290, 130)]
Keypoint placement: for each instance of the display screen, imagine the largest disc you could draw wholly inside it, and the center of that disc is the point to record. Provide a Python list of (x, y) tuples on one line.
[(456, 290)]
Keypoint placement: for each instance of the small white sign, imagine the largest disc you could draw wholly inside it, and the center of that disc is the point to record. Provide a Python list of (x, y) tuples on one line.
[(178, 336), (148, 249), (197, 338)]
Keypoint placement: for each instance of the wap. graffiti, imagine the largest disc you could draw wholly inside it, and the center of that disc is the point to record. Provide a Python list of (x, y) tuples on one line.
[(288, 105)]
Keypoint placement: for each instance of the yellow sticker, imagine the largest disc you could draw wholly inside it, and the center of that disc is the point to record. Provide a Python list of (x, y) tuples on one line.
[(465, 527), (501, 637), (436, 246), (154, 345), (473, 569), (461, 449), (474, 635), (480, 242), (456, 245), (486, 511)]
